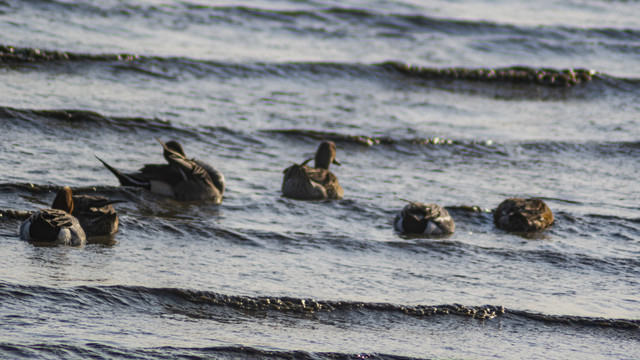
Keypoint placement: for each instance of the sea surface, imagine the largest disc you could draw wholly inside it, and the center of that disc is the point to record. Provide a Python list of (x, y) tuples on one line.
[(460, 103)]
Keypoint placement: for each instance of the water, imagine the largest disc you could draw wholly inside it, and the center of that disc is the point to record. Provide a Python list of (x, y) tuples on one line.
[(407, 92)]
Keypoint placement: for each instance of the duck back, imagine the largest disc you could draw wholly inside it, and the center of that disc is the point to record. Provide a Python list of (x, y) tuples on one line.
[(53, 226), (517, 214), (95, 214), (426, 219), (306, 183)]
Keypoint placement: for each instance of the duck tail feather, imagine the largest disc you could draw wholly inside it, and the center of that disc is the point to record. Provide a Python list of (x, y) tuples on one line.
[(126, 179)]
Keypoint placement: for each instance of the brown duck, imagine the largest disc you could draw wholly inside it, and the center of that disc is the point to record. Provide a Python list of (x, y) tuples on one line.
[(518, 214), (314, 183), (96, 214)]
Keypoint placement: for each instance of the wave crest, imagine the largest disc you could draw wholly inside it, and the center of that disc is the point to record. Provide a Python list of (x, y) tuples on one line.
[(183, 301), (515, 74), (388, 70)]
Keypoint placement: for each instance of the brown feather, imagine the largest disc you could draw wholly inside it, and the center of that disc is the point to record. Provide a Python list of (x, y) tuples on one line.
[(518, 214)]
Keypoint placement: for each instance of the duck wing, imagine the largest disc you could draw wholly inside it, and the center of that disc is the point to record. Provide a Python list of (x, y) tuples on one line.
[(321, 176), (161, 172), (188, 169), (216, 175), (327, 179)]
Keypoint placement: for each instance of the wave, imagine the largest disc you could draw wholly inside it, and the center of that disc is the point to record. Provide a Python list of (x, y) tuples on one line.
[(365, 140), (202, 304), (463, 147), (104, 351), (174, 68), (6, 188), (481, 147), (14, 214), (422, 23), (75, 118), (325, 18), (516, 74), (11, 55)]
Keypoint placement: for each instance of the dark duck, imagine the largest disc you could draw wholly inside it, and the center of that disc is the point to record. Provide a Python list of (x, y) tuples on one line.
[(55, 225)]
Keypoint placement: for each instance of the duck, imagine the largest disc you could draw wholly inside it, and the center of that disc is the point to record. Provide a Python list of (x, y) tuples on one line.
[(95, 214), (314, 183), (216, 175), (424, 219), (523, 215), (181, 178), (55, 225)]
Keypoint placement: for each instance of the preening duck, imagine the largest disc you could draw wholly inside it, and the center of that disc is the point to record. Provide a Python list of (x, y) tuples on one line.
[(216, 175), (182, 178), (426, 219), (518, 214), (55, 225), (314, 183), (95, 214)]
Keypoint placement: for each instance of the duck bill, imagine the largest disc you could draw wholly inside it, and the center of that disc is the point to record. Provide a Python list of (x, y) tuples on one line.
[(335, 161)]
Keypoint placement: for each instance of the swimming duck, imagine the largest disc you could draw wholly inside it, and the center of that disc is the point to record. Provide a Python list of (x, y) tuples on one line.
[(518, 214), (314, 183), (216, 176), (182, 178), (427, 219), (55, 225), (96, 214)]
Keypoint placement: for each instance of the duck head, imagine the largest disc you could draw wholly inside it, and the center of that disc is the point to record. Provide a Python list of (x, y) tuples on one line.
[(63, 200), (171, 147), (175, 146), (326, 155)]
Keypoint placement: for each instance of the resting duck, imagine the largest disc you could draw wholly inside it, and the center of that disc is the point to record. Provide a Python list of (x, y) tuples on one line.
[(517, 214), (426, 219), (96, 214), (314, 183), (55, 225), (182, 178)]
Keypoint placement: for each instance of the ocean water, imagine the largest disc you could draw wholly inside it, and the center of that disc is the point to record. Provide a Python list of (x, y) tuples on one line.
[(458, 103)]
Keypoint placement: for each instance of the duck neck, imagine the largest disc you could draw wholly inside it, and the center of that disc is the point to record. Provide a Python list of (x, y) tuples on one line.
[(64, 200), (322, 163)]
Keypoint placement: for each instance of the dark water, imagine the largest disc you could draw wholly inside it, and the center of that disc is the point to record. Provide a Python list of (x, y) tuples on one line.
[(458, 103)]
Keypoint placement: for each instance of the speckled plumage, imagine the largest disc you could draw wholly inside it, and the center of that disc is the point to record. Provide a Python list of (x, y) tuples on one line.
[(426, 219), (314, 183), (518, 214), (95, 214)]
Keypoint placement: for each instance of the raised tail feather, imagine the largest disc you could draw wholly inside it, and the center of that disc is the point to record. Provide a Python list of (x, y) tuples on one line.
[(126, 179)]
